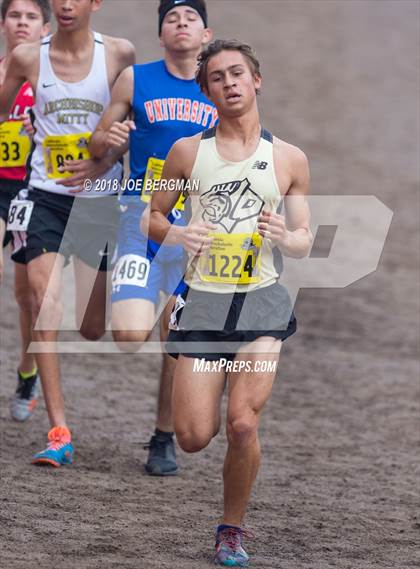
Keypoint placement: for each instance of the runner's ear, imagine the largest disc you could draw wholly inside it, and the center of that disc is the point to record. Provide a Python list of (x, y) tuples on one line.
[(96, 4), (46, 30), (207, 36)]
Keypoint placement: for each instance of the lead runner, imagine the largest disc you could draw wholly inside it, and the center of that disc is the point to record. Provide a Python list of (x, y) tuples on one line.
[(232, 241)]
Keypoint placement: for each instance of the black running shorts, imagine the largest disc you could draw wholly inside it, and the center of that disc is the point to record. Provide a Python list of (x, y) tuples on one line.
[(84, 227), (226, 322)]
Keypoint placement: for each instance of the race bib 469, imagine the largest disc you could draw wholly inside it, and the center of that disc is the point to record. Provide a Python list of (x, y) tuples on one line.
[(131, 270)]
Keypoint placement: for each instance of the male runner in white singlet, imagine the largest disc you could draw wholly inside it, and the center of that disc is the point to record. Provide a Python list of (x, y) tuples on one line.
[(234, 300), (71, 74), (23, 21)]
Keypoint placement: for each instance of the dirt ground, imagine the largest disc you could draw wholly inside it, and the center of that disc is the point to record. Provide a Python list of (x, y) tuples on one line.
[(338, 486)]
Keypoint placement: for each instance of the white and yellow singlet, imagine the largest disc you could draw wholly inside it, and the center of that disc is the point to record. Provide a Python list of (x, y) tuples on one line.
[(231, 196)]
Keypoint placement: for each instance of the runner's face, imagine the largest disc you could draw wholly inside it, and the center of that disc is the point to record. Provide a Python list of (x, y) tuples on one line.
[(23, 23), (232, 84), (73, 15), (183, 30)]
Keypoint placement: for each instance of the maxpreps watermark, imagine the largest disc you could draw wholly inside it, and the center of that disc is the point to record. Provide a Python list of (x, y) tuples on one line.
[(234, 366), (140, 185)]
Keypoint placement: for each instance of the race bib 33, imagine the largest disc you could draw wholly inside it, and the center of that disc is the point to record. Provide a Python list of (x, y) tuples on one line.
[(15, 144)]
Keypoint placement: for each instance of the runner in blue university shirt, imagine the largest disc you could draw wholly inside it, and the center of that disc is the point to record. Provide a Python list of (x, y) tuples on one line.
[(152, 106)]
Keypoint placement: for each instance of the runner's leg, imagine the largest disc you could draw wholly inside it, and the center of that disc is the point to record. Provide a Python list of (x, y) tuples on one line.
[(164, 407), (161, 460), (91, 299), (127, 316), (44, 277), (248, 393), (133, 297), (196, 399), (23, 298)]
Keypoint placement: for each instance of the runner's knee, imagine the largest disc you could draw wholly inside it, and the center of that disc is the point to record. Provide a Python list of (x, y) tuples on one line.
[(242, 430), (130, 341), (92, 331), (47, 308), (193, 440), (23, 297)]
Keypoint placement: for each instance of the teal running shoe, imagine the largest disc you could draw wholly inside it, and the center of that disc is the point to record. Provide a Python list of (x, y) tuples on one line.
[(229, 550), (59, 450)]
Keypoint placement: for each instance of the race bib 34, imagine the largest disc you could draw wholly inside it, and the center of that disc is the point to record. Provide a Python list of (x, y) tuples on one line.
[(20, 212)]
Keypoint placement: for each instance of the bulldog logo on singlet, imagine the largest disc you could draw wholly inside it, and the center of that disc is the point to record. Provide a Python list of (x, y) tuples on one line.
[(230, 203)]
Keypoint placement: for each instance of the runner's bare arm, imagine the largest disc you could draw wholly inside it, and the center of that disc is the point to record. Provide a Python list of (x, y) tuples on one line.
[(290, 232), (120, 53), (23, 66), (178, 166), (113, 130)]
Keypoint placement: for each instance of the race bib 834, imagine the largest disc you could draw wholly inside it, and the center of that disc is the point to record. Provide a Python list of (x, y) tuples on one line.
[(59, 148)]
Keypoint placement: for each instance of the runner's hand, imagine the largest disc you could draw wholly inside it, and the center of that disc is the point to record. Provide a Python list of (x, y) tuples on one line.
[(119, 134), (82, 170), (272, 226), (27, 124), (195, 238)]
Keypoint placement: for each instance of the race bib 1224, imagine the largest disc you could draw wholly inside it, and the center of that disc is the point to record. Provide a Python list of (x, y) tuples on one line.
[(232, 259)]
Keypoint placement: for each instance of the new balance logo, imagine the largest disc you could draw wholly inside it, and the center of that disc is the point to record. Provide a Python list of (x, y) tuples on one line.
[(260, 165)]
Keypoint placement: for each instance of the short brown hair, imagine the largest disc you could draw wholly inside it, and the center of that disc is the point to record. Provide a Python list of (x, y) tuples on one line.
[(216, 47), (43, 5)]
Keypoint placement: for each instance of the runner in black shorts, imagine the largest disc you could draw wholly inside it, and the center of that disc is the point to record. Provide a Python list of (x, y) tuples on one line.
[(23, 21), (234, 312), (50, 232), (234, 320), (72, 73)]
